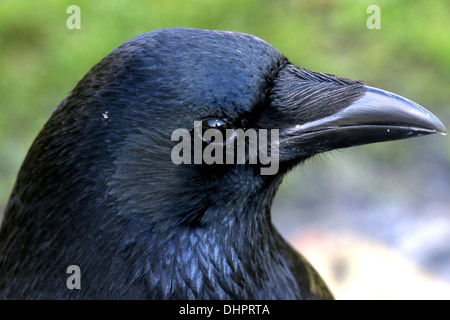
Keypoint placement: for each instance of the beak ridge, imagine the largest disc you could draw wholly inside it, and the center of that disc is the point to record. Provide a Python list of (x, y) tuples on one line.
[(376, 116), (378, 109)]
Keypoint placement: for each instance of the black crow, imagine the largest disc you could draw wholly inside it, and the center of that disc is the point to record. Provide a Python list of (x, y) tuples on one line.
[(99, 189)]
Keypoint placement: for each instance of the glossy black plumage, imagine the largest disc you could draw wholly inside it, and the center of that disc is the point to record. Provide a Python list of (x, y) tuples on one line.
[(98, 188)]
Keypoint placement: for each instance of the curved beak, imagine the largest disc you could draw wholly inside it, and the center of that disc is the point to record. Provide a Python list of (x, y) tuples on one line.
[(376, 116)]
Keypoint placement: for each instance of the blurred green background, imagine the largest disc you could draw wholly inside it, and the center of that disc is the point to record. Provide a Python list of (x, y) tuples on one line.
[(352, 213)]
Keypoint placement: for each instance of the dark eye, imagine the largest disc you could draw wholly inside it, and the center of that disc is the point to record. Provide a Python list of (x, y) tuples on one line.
[(225, 129), (215, 124)]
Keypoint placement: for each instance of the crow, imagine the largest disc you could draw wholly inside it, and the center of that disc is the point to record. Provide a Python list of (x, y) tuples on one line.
[(101, 211)]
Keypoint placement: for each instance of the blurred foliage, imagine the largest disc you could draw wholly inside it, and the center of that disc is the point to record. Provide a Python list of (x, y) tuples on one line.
[(42, 60)]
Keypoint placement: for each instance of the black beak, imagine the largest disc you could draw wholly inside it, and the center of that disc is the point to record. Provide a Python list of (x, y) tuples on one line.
[(375, 117)]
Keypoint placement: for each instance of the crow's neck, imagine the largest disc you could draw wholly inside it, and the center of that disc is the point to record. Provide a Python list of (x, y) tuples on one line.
[(236, 242)]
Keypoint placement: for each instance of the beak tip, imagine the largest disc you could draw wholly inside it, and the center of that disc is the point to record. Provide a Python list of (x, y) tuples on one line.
[(438, 126), (409, 111)]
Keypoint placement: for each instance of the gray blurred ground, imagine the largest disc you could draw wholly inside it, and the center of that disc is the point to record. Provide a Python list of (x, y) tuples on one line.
[(373, 222)]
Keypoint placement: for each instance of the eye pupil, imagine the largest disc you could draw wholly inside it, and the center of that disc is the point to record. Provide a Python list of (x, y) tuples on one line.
[(215, 124), (220, 125)]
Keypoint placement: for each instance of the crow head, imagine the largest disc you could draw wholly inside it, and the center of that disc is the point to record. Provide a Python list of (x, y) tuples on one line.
[(166, 80), (100, 177)]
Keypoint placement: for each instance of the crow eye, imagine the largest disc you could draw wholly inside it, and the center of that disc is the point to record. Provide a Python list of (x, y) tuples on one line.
[(225, 128), (215, 124)]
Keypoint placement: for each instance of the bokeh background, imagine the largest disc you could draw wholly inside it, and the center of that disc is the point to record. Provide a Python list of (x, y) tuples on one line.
[(374, 220)]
